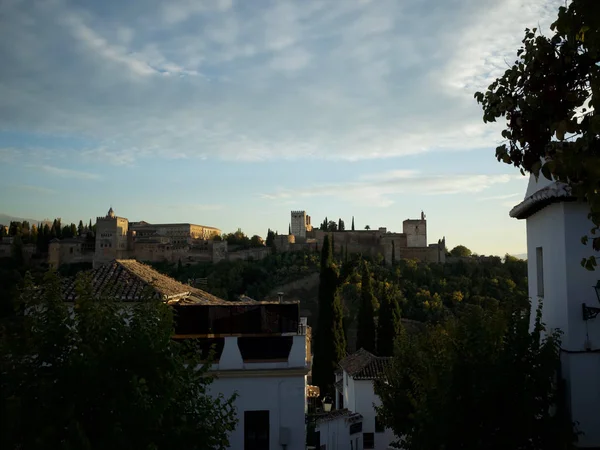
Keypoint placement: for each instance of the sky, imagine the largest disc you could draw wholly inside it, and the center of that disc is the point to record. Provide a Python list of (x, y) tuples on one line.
[(232, 113)]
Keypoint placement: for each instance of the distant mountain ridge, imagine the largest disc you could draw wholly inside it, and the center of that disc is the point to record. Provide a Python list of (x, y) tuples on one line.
[(6, 219)]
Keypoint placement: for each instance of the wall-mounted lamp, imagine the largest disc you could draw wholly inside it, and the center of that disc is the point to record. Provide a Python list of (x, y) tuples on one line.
[(327, 404), (590, 312)]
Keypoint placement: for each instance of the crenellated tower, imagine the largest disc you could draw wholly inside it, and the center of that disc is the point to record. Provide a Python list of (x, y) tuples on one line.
[(111, 238)]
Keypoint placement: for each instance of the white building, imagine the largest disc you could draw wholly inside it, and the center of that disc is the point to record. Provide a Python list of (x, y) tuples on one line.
[(555, 224), (354, 424), (262, 350)]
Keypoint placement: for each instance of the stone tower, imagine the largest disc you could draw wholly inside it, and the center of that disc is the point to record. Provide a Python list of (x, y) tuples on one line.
[(416, 231), (300, 224), (111, 238)]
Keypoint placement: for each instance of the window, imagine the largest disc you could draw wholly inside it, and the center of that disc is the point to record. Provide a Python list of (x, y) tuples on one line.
[(539, 261), (256, 430), (379, 428), (71, 250), (368, 440)]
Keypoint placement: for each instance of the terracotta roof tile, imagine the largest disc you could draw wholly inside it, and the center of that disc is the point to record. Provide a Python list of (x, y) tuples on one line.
[(363, 365), (131, 280), (552, 193), (339, 413)]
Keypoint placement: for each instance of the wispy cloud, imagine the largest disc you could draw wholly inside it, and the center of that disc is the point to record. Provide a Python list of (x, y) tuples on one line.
[(501, 197), (380, 189), (300, 80), (37, 189), (67, 173)]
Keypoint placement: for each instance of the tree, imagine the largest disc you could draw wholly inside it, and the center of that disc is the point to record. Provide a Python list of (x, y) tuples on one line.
[(290, 229), (73, 230), (388, 323), (127, 385), (365, 331), (80, 228), (270, 238), (16, 251), (341, 225), (367, 227), (352, 223), (479, 380), (256, 241), (330, 341), (332, 226), (550, 99), (460, 250)]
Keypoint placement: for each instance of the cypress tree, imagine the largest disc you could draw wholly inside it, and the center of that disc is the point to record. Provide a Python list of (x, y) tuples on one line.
[(365, 332), (352, 223), (330, 341), (289, 229), (388, 325), (80, 228)]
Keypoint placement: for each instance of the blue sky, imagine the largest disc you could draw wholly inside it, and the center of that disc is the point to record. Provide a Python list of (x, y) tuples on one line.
[(231, 113)]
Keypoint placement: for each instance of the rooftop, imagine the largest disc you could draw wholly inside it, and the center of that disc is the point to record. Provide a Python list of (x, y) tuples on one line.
[(363, 365), (551, 193), (131, 280), (340, 413)]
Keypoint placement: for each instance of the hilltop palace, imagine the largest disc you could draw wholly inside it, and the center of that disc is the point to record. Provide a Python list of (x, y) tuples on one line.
[(118, 238), (410, 244)]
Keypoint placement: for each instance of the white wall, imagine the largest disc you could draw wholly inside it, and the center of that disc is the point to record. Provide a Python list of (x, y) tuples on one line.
[(335, 434), (283, 397), (365, 401), (558, 228)]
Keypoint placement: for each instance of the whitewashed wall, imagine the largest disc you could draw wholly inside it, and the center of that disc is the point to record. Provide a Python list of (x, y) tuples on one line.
[(558, 229), (283, 397)]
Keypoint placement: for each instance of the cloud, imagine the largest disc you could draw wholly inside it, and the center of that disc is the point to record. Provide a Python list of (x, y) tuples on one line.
[(379, 189), (289, 80), (37, 189), (67, 173), (501, 197)]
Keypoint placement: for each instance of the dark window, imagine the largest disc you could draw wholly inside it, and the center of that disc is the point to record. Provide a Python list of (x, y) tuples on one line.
[(379, 428), (539, 256), (256, 430), (368, 440)]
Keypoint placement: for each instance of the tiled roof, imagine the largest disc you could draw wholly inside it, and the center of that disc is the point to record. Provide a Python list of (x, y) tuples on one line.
[(363, 365), (131, 280), (552, 193), (339, 413)]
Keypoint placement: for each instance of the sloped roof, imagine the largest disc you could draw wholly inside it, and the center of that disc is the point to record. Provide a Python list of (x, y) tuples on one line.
[(552, 193), (131, 280), (340, 413), (363, 365)]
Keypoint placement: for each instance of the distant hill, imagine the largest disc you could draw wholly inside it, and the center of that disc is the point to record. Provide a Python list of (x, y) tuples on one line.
[(6, 219)]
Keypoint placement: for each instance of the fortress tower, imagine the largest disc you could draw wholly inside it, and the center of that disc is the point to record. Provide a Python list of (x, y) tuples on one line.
[(416, 231), (111, 238), (300, 224)]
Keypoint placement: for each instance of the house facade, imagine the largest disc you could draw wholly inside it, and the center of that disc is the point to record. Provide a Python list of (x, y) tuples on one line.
[(261, 351), (355, 404), (556, 222)]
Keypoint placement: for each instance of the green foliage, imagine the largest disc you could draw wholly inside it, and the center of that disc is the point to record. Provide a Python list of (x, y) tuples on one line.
[(550, 99), (367, 227), (341, 225), (101, 376), (388, 323), (330, 340), (461, 251), (270, 238), (352, 223), (480, 380), (365, 333), (256, 279)]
